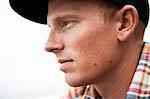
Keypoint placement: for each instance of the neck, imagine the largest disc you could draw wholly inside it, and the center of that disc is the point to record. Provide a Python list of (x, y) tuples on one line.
[(116, 83)]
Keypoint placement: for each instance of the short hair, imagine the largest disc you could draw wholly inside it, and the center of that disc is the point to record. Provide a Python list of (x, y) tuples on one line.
[(142, 7)]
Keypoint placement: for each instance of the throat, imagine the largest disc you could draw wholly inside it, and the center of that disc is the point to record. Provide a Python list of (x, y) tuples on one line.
[(115, 86)]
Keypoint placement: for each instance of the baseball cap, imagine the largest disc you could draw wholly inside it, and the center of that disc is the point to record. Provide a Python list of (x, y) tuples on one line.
[(36, 10)]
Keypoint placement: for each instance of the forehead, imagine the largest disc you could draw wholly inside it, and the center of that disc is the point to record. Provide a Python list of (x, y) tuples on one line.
[(57, 3), (77, 5), (58, 7)]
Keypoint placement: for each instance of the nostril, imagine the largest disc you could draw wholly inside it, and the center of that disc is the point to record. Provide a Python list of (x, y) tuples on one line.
[(47, 49), (53, 49)]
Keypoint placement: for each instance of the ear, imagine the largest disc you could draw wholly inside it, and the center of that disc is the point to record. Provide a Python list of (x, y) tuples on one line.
[(128, 21)]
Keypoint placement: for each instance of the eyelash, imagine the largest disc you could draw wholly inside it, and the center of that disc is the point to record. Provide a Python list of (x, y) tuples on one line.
[(67, 24)]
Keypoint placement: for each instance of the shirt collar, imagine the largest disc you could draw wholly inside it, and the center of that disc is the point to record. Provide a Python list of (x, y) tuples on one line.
[(140, 85)]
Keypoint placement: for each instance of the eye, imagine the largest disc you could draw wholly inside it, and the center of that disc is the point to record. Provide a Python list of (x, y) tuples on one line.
[(67, 24)]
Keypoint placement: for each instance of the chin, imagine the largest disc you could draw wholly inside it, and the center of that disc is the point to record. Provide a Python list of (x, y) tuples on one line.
[(74, 82)]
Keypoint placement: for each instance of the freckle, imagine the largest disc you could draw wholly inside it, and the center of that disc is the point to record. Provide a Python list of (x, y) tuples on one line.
[(111, 61), (95, 64)]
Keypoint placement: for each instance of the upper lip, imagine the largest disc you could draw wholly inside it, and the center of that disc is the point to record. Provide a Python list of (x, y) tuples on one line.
[(61, 61)]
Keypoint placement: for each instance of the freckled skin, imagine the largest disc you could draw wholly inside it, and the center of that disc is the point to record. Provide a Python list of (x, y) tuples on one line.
[(95, 64), (91, 42)]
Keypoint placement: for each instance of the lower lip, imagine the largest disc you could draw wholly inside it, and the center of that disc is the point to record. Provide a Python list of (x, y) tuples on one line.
[(65, 66)]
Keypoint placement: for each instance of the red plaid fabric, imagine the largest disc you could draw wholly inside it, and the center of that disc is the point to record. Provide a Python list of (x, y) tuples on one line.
[(139, 87)]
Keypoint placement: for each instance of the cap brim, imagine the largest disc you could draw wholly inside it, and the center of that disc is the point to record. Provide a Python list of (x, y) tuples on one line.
[(34, 10)]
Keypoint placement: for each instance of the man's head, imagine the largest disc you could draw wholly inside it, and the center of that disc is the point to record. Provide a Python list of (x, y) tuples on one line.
[(91, 37), (87, 37)]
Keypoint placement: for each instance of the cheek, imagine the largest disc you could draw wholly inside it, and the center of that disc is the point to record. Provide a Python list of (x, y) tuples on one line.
[(87, 51), (93, 59), (88, 46), (94, 50)]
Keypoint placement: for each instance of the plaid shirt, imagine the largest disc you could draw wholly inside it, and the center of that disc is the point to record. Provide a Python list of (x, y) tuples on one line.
[(139, 88)]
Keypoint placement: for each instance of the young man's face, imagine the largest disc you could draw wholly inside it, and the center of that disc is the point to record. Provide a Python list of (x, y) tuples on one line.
[(84, 43)]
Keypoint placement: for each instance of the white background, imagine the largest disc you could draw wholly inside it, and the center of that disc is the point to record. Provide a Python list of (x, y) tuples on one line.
[(26, 70)]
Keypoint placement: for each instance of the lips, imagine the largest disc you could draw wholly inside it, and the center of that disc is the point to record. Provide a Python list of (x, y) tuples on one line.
[(66, 64), (62, 61)]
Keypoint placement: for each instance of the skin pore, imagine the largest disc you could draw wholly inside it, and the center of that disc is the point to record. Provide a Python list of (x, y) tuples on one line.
[(99, 51)]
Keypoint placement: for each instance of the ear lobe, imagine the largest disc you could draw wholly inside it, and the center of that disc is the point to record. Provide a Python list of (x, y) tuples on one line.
[(128, 18)]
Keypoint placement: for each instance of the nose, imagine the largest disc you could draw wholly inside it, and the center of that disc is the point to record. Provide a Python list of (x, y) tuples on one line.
[(54, 44)]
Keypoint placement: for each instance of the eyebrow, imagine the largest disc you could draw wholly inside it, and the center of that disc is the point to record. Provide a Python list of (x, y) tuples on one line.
[(64, 16)]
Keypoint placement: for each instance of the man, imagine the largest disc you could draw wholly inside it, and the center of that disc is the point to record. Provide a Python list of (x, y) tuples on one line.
[(98, 43)]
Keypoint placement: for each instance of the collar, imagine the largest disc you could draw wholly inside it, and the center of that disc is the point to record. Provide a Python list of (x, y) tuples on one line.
[(140, 85)]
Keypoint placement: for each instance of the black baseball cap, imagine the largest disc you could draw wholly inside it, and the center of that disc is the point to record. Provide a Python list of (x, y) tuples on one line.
[(36, 10)]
